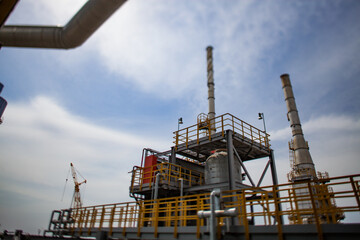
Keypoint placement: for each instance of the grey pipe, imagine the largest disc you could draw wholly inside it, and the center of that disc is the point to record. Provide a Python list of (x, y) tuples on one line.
[(231, 212), (83, 24), (215, 211), (181, 186), (214, 205), (157, 185)]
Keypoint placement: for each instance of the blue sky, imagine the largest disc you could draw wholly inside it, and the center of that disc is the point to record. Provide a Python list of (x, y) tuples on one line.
[(124, 89)]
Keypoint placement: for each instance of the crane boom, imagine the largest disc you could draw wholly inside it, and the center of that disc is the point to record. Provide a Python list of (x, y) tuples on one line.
[(76, 201)]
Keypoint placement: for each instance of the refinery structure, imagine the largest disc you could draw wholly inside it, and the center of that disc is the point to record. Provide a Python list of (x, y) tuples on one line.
[(197, 189)]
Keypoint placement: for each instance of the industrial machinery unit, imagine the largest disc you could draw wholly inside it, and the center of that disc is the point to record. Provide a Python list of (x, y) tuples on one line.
[(196, 190)]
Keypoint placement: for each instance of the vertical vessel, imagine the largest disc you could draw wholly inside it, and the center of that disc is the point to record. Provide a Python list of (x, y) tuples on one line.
[(302, 164)]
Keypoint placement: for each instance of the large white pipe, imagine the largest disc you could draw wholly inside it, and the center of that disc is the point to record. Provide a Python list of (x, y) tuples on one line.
[(84, 23), (303, 164), (157, 180)]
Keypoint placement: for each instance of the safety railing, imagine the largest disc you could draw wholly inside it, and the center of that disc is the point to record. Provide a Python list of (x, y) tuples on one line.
[(221, 124), (170, 174), (120, 215), (310, 202)]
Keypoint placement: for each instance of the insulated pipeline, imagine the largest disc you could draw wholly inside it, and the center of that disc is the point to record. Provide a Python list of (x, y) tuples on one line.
[(82, 25)]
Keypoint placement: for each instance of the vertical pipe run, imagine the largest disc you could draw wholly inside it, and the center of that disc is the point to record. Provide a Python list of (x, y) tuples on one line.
[(303, 164), (211, 88), (157, 179), (275, 183), (181, 186), (214, 205)]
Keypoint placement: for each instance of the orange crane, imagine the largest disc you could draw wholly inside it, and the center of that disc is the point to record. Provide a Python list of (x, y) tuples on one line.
[(76, 201)]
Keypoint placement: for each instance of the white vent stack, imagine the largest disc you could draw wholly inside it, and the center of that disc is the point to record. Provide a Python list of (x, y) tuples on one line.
[(303, 166), (211, 88)]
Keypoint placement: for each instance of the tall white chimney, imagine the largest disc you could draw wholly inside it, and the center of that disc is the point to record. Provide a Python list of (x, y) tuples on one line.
[(211, 89), (303, 166)]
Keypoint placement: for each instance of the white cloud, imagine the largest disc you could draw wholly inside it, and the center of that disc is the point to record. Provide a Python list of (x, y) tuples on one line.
[(322, 125), (332, 123), (45, 12), (160, 46), (38, 141)]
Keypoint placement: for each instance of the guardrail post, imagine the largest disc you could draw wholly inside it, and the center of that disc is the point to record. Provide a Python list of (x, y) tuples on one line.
[(140, 218), (260, 138), (251, 134), (277, 212), (93, 220), (177, 140), (242, 129), (317, 221), (222, 125), (102, 217), (80, 223), (197, 134), (156, 219), (176, 222), (355, 191), (87, 218), (125, 220), (232, 123), (111, 220)]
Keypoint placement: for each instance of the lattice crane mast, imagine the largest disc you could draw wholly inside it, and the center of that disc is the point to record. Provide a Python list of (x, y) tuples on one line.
[(76, 201)]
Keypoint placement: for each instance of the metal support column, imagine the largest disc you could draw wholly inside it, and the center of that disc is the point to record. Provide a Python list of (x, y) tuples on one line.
[(173, 156), (231, 170), (275, 181), (231, 160)]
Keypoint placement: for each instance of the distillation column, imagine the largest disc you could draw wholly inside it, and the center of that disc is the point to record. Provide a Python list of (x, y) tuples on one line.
[(303, 166)]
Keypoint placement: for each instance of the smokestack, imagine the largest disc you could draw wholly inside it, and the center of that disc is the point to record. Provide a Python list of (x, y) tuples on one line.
[(210, 83), (303, 166)]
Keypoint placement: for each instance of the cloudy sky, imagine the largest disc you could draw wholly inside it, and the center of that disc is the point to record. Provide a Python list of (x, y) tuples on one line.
[(98, 105)]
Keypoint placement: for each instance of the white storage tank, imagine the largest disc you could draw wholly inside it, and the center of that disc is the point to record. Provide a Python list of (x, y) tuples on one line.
[(216, 168)]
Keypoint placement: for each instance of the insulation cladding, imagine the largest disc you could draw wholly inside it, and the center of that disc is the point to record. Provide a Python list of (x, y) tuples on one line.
[(217, 169)]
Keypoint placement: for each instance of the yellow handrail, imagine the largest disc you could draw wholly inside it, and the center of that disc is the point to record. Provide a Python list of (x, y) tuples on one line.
[(170, 174), (221, 124), (309, 201)]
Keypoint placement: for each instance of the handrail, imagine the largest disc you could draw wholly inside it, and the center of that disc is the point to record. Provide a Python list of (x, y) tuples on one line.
[(260, 204), (221, 124), (171, 173)]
